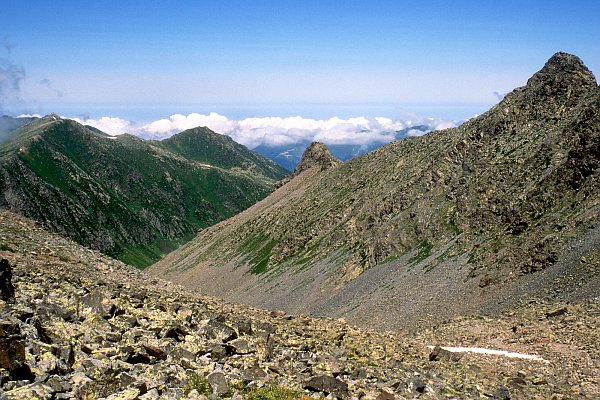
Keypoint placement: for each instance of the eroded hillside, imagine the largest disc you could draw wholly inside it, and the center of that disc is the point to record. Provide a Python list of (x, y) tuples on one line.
[(430, 227)]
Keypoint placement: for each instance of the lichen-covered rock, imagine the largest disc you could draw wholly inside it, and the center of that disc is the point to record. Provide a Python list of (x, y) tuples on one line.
[(62, 347), (7, 289)]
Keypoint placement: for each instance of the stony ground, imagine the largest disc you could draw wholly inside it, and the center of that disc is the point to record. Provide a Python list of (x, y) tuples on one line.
[(84, 326)]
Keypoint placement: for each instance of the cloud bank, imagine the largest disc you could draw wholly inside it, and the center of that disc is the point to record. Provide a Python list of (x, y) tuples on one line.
[(11, 76), (275, 131)]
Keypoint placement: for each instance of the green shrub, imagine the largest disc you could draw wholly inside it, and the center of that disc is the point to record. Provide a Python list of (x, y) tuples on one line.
[(423, 251), (198, 382), (273, 392), (5, 247)]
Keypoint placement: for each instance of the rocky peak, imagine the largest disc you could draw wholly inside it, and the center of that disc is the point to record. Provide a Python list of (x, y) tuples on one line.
[(316, 154), (564, 78), (550, 94), (53, 117)]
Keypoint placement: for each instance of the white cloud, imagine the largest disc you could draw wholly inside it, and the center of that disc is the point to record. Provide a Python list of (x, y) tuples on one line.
[(415, 132), (274, 131), (178, 122), (111, 125), (439, 125)]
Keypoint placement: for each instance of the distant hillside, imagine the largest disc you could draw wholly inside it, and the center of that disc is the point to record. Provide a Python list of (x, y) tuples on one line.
[(203, 145), (9, 124), (130, 198), (464, 219)]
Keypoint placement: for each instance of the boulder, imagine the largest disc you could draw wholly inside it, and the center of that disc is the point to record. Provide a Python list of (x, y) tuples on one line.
[(328, 385), (7, 289)]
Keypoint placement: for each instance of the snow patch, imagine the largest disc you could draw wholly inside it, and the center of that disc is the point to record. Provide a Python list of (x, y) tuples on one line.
[(480, 350)]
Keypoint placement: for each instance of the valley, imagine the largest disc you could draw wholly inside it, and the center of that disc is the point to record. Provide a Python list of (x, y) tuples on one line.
[(82, 325), (459, 264)]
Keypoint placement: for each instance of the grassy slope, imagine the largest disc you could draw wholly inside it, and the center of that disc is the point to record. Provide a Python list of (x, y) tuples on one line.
[(130, 198), (205, 146)]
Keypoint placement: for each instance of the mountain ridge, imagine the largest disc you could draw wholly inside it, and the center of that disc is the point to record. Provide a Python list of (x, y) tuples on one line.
[(469, 209), (199, 143), (123, 195)]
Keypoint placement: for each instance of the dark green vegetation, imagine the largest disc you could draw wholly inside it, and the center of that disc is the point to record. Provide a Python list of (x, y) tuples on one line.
[(130, 198), (205, 146)]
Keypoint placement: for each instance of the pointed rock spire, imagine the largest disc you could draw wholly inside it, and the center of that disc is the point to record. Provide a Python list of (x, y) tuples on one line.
[(563, 75), (316, 154), (550, 93)]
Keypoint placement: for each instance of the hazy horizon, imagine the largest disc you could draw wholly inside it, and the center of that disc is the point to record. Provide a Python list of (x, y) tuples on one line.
[(305, 65)]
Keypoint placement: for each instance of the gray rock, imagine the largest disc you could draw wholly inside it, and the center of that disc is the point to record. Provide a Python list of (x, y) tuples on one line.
[(416, 384), (218, 383), (244, 328), (238, 346), (221, 331), (441, 354), (150, 395), (217, 351), (253, 374), (502, 394), (12, 347), (176, 332), (93, 300), (328, 385), (155, 351)]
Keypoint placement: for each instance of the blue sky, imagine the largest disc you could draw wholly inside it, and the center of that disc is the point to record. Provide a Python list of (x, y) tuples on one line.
[(146, 60)]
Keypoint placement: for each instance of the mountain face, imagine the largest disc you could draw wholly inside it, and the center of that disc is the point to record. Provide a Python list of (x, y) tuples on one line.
[(130, 198), (504, 206), (205, 146)]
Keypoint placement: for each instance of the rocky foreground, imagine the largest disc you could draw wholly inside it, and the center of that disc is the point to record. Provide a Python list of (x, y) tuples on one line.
[(81, 325)]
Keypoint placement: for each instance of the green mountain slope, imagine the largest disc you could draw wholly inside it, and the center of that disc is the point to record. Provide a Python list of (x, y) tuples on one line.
[(127, 197), (205, 146), (425, 226)]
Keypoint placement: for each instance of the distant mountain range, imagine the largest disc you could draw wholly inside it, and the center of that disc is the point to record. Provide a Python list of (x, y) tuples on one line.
[(130, 198), (288, 156), (468, 219)]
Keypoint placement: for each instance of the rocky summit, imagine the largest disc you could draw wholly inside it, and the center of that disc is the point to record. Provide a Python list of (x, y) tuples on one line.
[(77, 324), (468, 220), (316, 155)]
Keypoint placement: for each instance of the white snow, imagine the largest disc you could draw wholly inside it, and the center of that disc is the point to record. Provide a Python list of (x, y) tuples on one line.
[(480, 350)]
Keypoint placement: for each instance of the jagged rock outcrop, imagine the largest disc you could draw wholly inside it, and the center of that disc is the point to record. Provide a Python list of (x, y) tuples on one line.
[(506, 204), (86, 326), (316, 158), (316, 155)]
